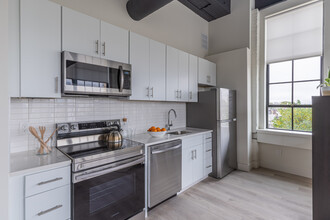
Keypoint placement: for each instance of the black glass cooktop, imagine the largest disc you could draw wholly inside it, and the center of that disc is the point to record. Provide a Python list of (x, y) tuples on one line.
[(98, 147)]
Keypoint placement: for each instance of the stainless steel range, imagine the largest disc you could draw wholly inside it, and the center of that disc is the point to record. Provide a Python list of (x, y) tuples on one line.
[(107, 178)]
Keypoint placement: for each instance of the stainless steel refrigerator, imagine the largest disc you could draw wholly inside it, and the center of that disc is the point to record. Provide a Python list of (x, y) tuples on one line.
[(216, 110)]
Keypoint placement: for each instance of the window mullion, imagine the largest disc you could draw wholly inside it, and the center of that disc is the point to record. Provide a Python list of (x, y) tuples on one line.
[(292, 96)]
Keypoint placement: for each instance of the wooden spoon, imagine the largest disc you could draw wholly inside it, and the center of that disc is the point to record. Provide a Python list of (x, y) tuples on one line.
[(35, 134)]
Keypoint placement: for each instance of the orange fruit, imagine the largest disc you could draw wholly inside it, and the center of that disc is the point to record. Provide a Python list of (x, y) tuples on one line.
[(163, 129), (154, 130), (153, 127)]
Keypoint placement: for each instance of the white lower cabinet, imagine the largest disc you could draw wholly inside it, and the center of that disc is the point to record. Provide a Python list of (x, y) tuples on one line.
[(40, 196), (53, 204), (195, 159)]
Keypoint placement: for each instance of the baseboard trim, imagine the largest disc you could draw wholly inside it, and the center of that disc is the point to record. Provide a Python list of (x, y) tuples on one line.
[(244, 167)]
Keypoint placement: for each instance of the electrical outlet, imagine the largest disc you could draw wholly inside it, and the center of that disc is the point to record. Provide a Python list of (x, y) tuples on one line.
[(23, 127)]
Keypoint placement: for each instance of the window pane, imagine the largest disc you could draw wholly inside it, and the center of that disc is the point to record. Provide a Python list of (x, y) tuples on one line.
[(280, 72), (280, 94), (302, 119), (280, 118), (307, 69), (304, 91)]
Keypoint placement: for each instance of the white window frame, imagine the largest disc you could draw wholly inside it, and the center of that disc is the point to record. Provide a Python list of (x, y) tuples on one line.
[(267, 12)]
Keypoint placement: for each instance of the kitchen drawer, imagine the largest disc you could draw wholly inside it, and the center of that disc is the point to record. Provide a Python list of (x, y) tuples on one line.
[(208, 170), (192, 141), (208, 146), (41, 182), (208, 154), (207, 160), (208, 138), (51, 205)]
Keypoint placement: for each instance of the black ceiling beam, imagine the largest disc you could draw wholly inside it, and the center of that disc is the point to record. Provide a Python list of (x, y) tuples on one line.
[(139, 9), (261, 4), (208, 9)]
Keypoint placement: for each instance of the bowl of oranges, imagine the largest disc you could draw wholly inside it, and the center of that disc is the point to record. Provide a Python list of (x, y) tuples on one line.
[(157, 132)]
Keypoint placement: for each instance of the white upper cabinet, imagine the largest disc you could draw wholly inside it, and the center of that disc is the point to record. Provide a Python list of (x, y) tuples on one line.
[(148, 58), (157, 71), (172, 74), (177, 75), (207, 72), (14, 48), (114, 43), (81, 33), (40, 48), (193, 78), (90, 36), (183, 76), (139, 59)]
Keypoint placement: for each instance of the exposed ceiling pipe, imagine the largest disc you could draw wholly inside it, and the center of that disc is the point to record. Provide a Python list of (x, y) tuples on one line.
[(139, 9)]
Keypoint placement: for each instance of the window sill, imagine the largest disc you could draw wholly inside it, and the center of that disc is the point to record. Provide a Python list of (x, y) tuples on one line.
[(292, 139)]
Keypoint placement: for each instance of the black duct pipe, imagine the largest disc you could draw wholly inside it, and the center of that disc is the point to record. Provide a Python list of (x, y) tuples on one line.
[(139, 9)]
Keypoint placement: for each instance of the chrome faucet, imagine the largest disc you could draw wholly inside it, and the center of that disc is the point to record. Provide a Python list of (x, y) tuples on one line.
[(169, 121)]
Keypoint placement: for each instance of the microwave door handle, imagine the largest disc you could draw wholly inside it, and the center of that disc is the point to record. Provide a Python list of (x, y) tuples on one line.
[(121, 79), (86, 176)]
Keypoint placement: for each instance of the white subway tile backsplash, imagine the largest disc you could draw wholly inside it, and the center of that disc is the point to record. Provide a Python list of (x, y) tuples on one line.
[(47, 112)]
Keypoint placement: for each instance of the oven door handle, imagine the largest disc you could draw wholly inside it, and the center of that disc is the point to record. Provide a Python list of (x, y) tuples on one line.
[(86, 176), (121, 79)]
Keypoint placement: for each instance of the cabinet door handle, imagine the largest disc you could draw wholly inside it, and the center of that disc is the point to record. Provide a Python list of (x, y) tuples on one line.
[(103, 48), (152, 92), (209, 166), (177, 94), (97, 47), (190, 95), (50, 181), (209, 150), (180, 94), (49, 210), (56, 84), (192, 155), (148, 93)]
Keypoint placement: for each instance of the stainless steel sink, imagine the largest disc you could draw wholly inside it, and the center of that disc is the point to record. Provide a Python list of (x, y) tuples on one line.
[(178, 132)]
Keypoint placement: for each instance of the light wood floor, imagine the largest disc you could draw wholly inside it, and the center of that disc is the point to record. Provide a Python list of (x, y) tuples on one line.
[(260, 194)]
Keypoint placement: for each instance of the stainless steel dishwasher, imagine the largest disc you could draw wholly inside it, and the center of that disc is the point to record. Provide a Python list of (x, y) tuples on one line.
[(164, 171)]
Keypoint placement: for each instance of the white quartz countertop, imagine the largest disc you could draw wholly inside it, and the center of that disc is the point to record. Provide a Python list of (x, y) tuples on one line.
[(146, 139), (27, 162)]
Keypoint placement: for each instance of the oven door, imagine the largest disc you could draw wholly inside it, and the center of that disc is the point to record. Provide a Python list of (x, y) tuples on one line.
[(114, 191)]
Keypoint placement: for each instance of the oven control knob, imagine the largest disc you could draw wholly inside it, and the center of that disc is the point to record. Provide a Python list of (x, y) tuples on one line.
[(74, 127), (63, 128)]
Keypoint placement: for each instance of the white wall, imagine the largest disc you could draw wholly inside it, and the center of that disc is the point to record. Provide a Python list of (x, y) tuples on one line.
[(174, 24), (4, 110), (231, 31), (233, 72), (286, 159)]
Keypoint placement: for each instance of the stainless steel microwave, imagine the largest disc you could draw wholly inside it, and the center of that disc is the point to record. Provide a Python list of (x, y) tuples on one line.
[(86, 75)]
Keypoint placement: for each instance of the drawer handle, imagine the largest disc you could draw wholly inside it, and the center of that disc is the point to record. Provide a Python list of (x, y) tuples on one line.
[(209, 166), (209, 150), (208, 138), (49, 210), (50, 181)]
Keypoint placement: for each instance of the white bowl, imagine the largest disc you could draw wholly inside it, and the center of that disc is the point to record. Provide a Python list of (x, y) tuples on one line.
[(157, 134)]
